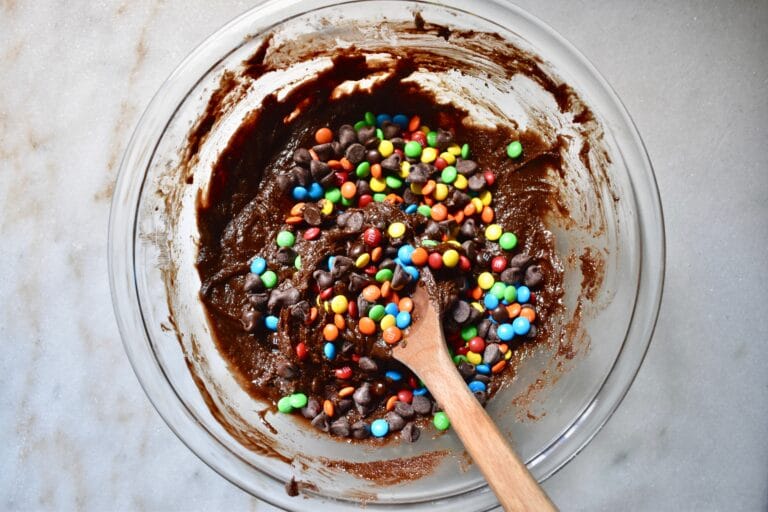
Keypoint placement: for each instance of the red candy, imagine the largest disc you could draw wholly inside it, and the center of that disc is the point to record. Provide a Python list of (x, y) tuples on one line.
[(498, 264), (364, 200), (440, 164), (464, 263), (420, 138), (341, 177), (301, 350), (490, 178), (371, 270), (372, 237), (477, 345), (435, 260), (343, 373), (413, 382), (462, 350), (311, 233), (326, 294), (405, 396), (352, 309)]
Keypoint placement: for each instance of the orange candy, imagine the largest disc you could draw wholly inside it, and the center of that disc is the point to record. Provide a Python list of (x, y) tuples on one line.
[(366, 326), (459, 217), (339, 322), (499, 366), (487, 215), (470, 210), (346, 164), (376, 171), (503, 347), (477, 293), (528, 313), (420, 256), (294, 220), (386, 289), (348, 190), (514, 310), (405, 304), (428, 188), (391, 402), (345, 392), (312, 314), (414, 124), (334, 164), (371, 293), (376, 253), (297, 209), (392, 335), (323, 135), (328, 408), (439, 212), (330, 332)]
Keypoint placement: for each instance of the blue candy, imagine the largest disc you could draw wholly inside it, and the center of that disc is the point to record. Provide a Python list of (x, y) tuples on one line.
[(521, 325), (300, 193), (412, 271), (258, 265), (404, 253), (381, 118), (330, 263), (379, 428), (329, 349), (483, 369), (316, 191), (403, 319), (490, 301), (505, 332), (420, 391), (476, 386), (391, 309), (393, 375), (411, 208), (401, 120), (271, 322), (523, 294)]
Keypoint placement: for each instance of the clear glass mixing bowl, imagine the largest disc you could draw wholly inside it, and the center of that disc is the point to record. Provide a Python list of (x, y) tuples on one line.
[(165, 332)]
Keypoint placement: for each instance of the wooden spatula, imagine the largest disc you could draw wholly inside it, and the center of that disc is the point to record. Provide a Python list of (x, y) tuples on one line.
[(424, 351)]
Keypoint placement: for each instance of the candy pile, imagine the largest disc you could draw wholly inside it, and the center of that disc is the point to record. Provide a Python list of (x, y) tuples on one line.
[(390, 197)]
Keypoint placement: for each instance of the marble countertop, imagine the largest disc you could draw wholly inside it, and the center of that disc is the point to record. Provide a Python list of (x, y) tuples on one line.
[(77, 431)]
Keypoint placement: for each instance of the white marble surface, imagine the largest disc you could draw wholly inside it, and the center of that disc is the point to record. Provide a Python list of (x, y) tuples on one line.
[(76, 431)]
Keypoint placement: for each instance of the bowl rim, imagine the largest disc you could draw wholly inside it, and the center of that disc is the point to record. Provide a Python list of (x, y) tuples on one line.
[(124, 210)]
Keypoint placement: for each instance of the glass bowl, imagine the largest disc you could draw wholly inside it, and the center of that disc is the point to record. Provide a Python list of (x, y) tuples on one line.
[(553, 407)]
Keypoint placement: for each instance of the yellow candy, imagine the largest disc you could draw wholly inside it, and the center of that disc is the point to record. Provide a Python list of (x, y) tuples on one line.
[(474, 357), (508, 355), (493, 232), (454, 149), (425, 129), (387, 321), (478, 306), (461, 182), (478, 204), (428, 155), (485, 281), (405, 169), (416, 188), (339, 304), (326, 306), (363, 260), (449, 158), (454, 243), (486, 197), (386, 148), (441, 191), (396, 229), (451, 258), (378, 185), (326, 207)]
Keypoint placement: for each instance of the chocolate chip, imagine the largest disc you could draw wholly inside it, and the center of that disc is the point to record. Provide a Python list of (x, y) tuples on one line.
[(312, 214), (493, 334), (319, 170), (372, 144), (469, 246), (468, 230), (363, 187), (362, 395), (344, 405), (365, 133), (251, 320), (360, 430), (253, 283), (362, 304), (485, 379), (400, 278), (379, 388), (286, 256), (354, 222), (302, 157), (323, 151), (421, 404), (404, 410), (291, 488), (466, 167), (500, 314), (467, 370), (390, 130), (474, 316), (286, 180), (258, 300), (410, 433), (396, 422), (520, 260), (397, 142), (356, 249), (433, 231), (341, 266), (391, 163), (444, 138), (320, 422), (460, 312), (419, 174), (347, 135), (481, 397), (355, 153), (302, 175), (288, 296), (457, 199), (340, 427), (337, 149), (388, 263), (286, 370), (531, 332), (301, 311), (483, 326), (323, 279), (491, 354), (409, 197), (477, 183), (511, 275), (312, 409), (367, 364), (347, 348), (373, 156), (533, 276)]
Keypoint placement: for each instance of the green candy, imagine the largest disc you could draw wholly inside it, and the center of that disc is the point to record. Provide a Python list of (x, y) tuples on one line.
[(347, 202), (297, 262), (465, 151), (363, 170), (298, 400), (384, 275), (377, 312), (379, 197), (514, 149), (441, 421), (449, 174), (468, 332), (286, 239), (360, 124), (393, 182), (508, 241), (457, 360), (412, 149), (432, 139), (429, 243), (510, 294), (333, 195), (379, 134), (498, 289), (269, 279), (425, 210), (370, 119), (284, 405)]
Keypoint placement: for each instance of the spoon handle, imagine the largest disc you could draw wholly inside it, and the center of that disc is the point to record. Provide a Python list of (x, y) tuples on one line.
[(507, 475)]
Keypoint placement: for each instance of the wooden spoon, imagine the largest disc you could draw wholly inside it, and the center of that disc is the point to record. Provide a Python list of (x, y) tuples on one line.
[(424, 351)]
